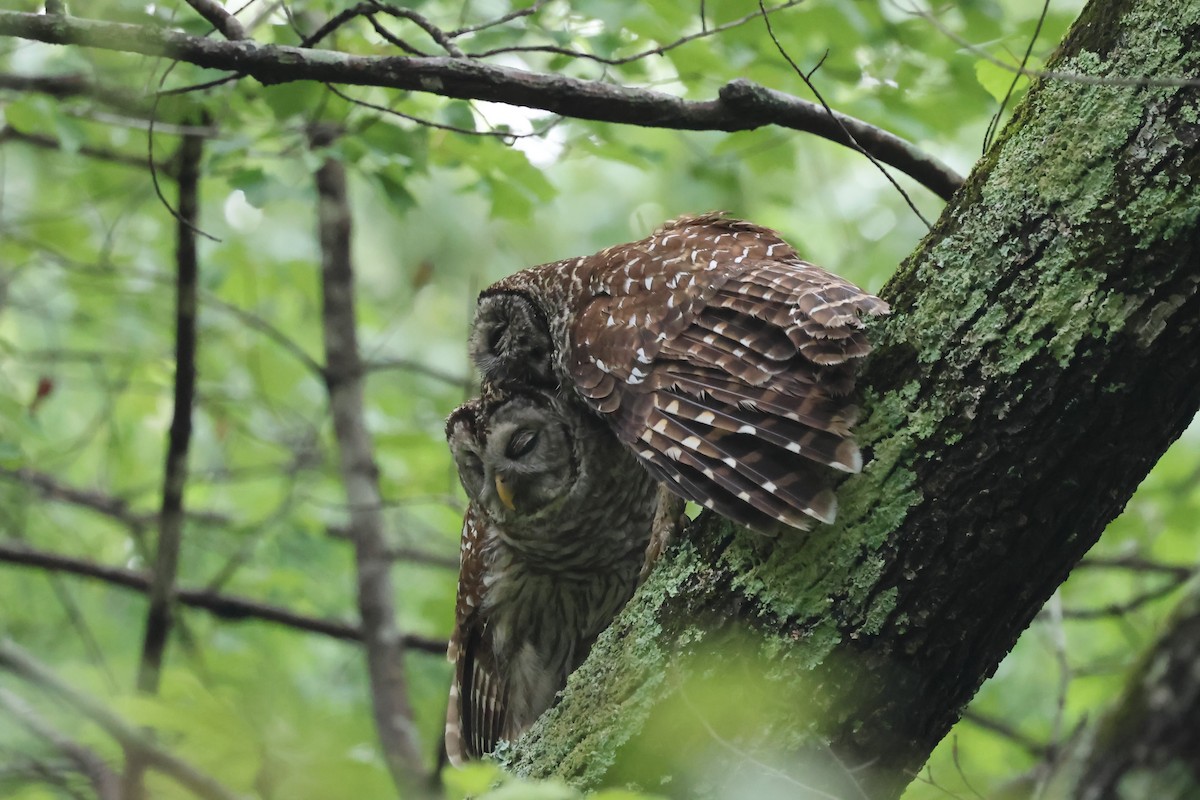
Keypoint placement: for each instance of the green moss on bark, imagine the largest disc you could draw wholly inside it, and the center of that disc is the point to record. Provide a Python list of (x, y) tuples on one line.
[(1057, 265)]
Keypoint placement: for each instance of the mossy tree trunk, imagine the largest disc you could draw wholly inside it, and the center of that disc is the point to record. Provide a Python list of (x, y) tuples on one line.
[(1043, 353)]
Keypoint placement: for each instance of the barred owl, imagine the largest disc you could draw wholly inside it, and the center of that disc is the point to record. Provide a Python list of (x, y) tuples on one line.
[(718, 357), (553, 541)]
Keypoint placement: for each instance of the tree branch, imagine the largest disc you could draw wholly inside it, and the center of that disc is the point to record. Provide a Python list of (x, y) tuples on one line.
[(345, 379), (103, 779), (219, 18), (10, 134), (222, 606), (741, 104), (1043, 352), (62, 87), (16, 660), (171, 518)]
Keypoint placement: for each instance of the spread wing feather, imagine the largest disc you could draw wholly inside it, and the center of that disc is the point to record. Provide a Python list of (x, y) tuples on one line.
[(731, 494), (724, 319), (792, 437), (723, 360)]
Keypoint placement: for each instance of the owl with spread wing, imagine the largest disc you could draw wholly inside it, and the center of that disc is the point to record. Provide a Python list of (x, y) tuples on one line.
[(720, 359)]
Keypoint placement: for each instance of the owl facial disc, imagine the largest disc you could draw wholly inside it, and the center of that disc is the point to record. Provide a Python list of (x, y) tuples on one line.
[(510, 341)]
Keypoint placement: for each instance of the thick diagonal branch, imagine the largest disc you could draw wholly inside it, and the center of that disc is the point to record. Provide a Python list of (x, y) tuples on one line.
[(1043, 352), (740, 106)]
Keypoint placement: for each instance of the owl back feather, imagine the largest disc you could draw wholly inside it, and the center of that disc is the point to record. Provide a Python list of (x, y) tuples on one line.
[(719, 357)]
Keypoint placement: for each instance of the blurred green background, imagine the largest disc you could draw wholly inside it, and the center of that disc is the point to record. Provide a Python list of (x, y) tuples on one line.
[(86, 348)]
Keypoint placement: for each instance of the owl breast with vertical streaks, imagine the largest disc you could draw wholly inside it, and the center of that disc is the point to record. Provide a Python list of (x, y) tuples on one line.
[(554, 538)]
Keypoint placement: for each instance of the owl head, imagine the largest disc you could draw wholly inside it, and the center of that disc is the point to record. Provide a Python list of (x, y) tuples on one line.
[(515, 455), (510, 341)]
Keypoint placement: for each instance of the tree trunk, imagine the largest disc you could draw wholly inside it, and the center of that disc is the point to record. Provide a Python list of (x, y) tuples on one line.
[(1043, 353)]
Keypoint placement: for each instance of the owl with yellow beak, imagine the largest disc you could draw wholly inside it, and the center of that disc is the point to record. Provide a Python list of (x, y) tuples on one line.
[(556, 531)]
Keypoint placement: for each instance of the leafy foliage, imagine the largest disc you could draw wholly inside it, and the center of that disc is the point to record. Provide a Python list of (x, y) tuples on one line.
[(440, 210)]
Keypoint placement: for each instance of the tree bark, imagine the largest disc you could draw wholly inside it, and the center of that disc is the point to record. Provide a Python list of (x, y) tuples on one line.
[(1043, 352)]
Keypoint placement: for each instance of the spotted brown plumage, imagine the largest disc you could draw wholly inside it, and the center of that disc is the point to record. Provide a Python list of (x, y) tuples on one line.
[(554, 538), (717, 355)]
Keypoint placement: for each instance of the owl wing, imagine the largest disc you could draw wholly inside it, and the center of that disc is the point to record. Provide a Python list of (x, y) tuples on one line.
[(477, 712), (722, 360)]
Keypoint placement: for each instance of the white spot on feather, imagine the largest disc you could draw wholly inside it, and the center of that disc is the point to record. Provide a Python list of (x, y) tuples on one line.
[(691, 443), (792, 447)]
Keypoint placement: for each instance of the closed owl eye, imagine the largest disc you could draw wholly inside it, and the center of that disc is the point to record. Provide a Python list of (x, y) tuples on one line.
[(521, 443), (494, 336)]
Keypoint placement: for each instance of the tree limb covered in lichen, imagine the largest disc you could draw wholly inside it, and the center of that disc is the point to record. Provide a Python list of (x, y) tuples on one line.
[(1044, 351)]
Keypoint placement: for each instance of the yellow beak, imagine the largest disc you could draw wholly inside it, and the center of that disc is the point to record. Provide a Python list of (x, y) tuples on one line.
[(504, 492)]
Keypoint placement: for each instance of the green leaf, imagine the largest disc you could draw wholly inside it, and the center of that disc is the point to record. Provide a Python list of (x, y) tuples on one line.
[(996, 80)]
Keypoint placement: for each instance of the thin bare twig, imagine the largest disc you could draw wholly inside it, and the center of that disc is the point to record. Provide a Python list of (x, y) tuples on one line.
[(8, 134), (509, 17), (76, 85), (994, 124), (1135, 563), (360, 477), (102, 778), (1004, 729), (223, 606), (807, 78), (506, 136), (257, 323), (393, 39), (704, 32), (19, 662), (219, 18), (408, 365), (1073, 77), (434, 32), (116, 508), (1120, 609)]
